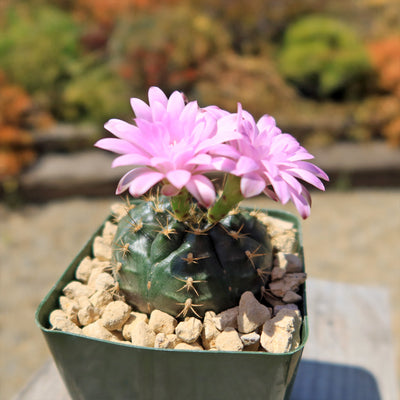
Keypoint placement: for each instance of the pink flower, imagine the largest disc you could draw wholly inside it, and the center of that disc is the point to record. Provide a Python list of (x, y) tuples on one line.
[(171, 142), (270, 161)]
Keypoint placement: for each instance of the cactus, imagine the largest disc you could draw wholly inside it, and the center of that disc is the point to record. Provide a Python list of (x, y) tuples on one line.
[(161, 262), (183, 250)]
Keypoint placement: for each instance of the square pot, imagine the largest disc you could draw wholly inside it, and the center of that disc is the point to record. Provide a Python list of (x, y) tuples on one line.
[(98, 369)]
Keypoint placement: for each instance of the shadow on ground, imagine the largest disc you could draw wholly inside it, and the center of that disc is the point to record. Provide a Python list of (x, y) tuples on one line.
[(326, 381)]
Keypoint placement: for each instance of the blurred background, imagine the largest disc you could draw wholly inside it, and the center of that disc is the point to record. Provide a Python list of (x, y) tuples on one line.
[(328, 71)]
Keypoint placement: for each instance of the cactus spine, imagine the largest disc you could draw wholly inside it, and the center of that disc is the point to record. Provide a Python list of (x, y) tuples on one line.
[(190, 267)]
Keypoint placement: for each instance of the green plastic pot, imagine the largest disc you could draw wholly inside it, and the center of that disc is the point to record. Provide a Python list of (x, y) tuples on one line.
[(95, 369)]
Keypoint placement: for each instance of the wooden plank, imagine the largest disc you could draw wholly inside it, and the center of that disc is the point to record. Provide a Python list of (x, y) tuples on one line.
[(349, 355), (46, 384), (350, 352)]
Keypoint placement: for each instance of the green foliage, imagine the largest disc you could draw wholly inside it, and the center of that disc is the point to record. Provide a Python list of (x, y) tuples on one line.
[(94, 93), (40, 50), (165, 48), (161, 262), (253, 24), (324, 58), (38, 46)]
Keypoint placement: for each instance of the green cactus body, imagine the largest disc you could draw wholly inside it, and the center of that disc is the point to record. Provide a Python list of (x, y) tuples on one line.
[(188, 267)]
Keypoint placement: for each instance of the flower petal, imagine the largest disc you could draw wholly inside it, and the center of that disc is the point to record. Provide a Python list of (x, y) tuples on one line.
[(122, 129), (201, 189), (179, 177), (188, 121), (292, 182), (219, 138), (158, 111), (307, 177), (224, 150), (130, 159), (115, 145), (281, 188), (155, 94), (139, 181), (222, 164), (161, 164), (126, 180), (266, 123), (141, 109), (251, 185), (302, 204), (144, 181), (313, 169), (176, 104), (270, 193), (200, 159), (245, 165), (169, 190), (215, 112)]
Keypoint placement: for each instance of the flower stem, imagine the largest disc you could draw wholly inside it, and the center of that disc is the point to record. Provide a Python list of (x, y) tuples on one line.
[(229, 198), (181, 204)]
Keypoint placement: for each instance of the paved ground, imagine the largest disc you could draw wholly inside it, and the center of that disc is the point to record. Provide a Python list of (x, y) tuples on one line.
[(351, 237)]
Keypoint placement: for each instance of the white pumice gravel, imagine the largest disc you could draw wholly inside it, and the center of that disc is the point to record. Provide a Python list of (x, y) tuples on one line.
[(132, 319), (210, 331), (229, 340), (188, 346), (100, 299), (162, 322), (76, 289), (282, 333), (87, 312), (84, 269), (101, 249), (70, 307), (91, 305), (115, 315), (109, 232), (164, 341), (142, 335), (98, 331), (104, 281), (189, 330), (251, 341)]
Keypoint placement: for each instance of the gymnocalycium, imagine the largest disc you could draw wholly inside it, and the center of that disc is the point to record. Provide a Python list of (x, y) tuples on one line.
[(182, 248)]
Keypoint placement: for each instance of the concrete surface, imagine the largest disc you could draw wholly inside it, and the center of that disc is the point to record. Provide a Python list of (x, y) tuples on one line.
[(350, 237)]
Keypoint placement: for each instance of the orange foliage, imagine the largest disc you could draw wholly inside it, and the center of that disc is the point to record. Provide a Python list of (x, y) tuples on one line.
[(15, 143), (105, 12), (11, 162), (392, 132), (14, 102), (385, 57)]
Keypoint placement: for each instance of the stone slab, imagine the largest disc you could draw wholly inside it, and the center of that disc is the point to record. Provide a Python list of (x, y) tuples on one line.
[(370, 164), (58, 175), (88, 172)]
